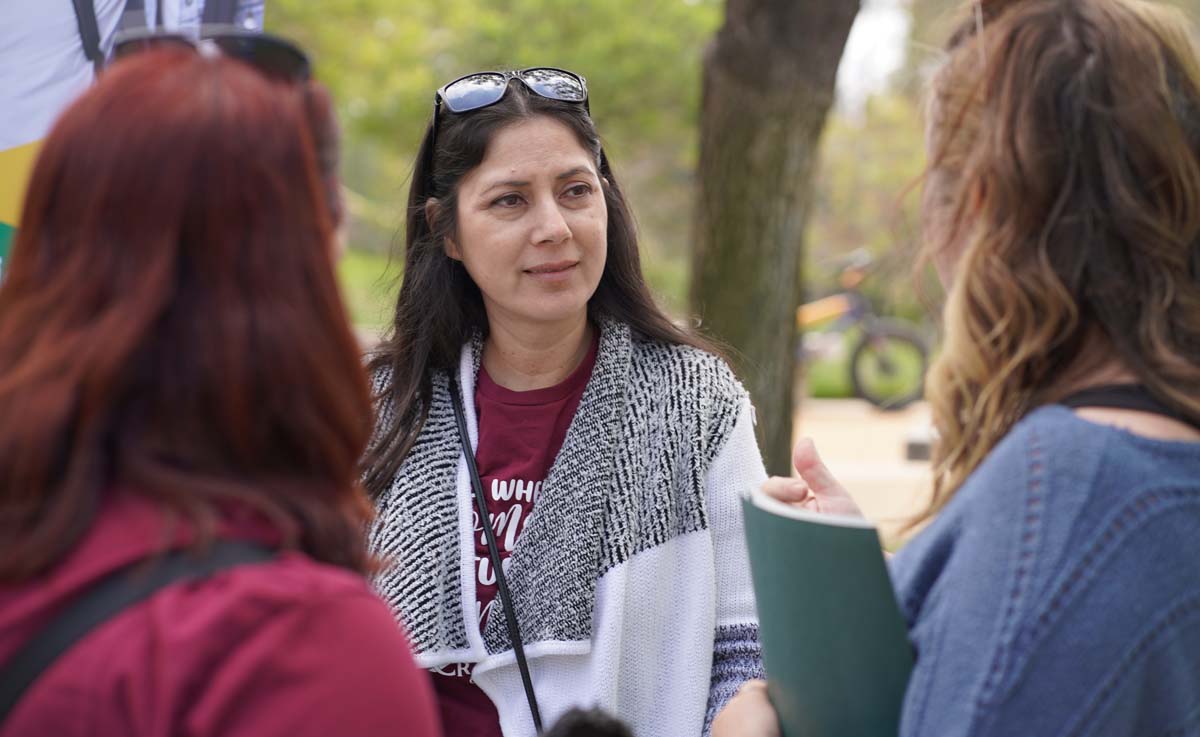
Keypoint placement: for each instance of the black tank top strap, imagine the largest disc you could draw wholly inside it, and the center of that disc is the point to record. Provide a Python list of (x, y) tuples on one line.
[(1124, 396)]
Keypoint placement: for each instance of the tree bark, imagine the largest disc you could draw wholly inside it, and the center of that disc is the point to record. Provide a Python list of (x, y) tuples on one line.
[(769, 77)]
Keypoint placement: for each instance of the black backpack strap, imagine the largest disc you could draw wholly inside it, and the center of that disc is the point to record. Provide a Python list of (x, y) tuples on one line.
[(89, 32), (134, 16), (121, 589), (219, 12)]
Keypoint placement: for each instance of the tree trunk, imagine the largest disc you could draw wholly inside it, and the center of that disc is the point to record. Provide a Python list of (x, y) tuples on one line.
[(769, 80)]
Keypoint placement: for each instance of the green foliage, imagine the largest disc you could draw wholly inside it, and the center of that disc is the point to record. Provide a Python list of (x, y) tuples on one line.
[(383, 60), (668, 279), (828, 378), (369, 281), (867, 188)]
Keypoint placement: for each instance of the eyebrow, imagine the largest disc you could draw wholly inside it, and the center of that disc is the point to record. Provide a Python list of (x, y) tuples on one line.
[(572, 172), (518, 183)]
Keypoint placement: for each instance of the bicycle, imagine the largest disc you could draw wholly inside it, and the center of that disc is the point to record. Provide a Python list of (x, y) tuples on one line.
[(889, 357)]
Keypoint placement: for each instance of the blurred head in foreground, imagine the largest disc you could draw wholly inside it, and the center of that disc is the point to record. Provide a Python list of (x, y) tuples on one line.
[(169, 321), (1062, 210)]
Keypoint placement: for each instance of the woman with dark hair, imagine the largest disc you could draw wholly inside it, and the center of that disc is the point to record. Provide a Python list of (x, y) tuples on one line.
[(182, 410), (1056, 590), (610, 445)]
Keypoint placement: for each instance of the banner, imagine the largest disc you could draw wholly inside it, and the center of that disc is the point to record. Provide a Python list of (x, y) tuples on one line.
[(43, 67)]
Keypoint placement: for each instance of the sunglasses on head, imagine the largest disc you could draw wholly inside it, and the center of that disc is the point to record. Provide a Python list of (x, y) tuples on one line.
[(271, 55), (481, 89), (478, 90)]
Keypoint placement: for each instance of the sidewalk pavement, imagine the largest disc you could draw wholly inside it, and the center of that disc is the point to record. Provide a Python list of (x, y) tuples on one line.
[(865, 449)]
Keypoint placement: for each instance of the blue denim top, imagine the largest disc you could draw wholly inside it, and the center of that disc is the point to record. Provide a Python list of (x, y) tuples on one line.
[(1058, 593)]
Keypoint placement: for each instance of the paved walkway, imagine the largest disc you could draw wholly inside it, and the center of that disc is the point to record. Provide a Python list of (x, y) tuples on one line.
[(865, 448)]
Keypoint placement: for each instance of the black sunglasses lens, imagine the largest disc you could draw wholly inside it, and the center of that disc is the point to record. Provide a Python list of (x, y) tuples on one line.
[(270, 56), (474, 92), (555, 84)]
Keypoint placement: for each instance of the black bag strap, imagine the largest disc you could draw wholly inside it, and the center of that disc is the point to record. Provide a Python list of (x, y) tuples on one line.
[(113, 594), (510, 614), (89, 32), (220, 12)]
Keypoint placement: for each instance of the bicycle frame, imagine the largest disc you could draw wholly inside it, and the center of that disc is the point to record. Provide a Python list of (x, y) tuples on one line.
[(848, 304)]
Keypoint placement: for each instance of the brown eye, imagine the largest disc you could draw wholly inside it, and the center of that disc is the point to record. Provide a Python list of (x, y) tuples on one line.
[(508, 200)]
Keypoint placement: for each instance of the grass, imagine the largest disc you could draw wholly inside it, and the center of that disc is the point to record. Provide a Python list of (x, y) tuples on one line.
[(828, 378)]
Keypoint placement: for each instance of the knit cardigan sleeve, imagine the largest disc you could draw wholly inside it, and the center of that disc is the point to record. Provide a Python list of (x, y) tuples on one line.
[(737, 656)]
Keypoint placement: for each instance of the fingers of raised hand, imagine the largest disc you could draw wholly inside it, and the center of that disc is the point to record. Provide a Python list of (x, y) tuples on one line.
[(787, 489), (812, 469), (827, 493)]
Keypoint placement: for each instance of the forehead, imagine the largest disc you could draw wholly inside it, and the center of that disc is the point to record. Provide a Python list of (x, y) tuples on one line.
[(533, 147)]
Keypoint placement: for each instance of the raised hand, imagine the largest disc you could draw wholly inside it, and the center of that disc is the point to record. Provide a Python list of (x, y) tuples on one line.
[(816, 489)]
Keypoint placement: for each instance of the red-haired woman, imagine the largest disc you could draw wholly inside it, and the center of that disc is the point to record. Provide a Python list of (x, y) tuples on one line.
[(181, 399)]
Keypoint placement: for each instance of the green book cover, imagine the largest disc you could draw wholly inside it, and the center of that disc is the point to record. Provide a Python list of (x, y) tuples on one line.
[(835, 645), (6, 238)]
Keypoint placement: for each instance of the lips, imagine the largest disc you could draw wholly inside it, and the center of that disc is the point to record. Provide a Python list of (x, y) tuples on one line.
[(556, 267)]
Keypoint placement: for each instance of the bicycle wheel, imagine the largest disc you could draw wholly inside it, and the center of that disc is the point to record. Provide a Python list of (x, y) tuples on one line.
[(887, 367)]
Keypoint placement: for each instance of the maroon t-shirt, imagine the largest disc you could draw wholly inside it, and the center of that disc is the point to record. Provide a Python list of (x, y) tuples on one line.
[(520, 434)]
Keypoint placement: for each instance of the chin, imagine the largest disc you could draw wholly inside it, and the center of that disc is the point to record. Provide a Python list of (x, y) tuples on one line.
[(558, 308)]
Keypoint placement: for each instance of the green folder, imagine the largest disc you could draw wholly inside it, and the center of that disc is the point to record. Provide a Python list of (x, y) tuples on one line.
[(835, 645), (6, 237)]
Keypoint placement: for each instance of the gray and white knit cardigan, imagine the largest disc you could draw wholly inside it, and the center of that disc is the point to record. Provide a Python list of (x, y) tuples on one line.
[(630, 579)]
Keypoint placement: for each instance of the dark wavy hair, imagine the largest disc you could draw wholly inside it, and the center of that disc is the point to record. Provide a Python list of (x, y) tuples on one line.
[(170, 325), (1068, 133), (439, 306)]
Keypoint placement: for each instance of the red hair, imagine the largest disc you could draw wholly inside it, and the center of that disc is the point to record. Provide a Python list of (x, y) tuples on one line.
[(169, 320)]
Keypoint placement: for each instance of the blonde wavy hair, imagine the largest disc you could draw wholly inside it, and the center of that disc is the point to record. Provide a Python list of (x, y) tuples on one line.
[(1064, 138)]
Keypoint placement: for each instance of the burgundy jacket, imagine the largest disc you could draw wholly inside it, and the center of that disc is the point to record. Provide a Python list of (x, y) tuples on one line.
[(288, 647)]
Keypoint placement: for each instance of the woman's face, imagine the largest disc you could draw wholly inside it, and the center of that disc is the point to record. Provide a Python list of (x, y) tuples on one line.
[(532, 225)]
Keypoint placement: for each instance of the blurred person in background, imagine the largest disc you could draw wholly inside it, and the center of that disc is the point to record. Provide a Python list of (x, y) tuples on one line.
[(51, 51), (611, 445), (182, 411), (1056, 589)]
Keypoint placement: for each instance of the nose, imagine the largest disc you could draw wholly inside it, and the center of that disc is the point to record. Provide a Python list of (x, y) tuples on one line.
[(549, 227)]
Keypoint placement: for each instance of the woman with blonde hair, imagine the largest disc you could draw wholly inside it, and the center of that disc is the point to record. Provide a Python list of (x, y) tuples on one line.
[(1056, 590)]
